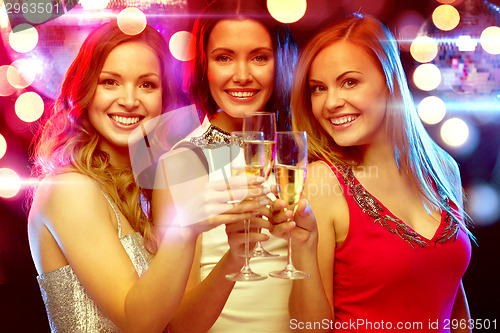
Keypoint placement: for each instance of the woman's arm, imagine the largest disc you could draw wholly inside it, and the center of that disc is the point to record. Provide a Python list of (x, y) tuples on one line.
[(460, 310), (71, 218), (313, 245)]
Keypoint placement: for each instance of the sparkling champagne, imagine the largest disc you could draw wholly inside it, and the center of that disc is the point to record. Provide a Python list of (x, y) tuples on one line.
[(268, 158), (290, 181), (255, 157)]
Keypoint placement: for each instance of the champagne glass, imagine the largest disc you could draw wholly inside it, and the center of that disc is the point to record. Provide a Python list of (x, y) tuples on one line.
[(290, 171), (264, 122), (247, 158)]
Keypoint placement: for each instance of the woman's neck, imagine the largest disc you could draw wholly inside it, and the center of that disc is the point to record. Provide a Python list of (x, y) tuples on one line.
[(381, 155), (119, 157), (227, 123)]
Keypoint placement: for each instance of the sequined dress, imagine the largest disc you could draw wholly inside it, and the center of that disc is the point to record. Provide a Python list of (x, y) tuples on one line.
[(387, 277), (260, 306), (69, 307)]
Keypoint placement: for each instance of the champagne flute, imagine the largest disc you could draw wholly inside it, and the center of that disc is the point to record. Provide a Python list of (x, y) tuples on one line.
[(290, 172), (264, 122), (247, 158)]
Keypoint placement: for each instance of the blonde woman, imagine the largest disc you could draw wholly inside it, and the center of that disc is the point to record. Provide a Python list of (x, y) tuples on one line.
[(385, 218)]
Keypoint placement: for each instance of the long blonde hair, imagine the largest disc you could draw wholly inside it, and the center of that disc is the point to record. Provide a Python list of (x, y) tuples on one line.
[(66, 141), (433, 171)]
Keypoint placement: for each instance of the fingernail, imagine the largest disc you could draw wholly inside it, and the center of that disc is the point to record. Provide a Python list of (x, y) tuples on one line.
[(260, 180), (266, 190), (263, 202)]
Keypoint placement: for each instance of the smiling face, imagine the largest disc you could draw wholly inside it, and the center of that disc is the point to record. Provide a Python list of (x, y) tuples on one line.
[(128, 93), (349, 94), (240, 64)]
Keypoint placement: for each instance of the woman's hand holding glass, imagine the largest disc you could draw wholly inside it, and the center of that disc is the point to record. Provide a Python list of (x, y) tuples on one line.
[(297, 222)]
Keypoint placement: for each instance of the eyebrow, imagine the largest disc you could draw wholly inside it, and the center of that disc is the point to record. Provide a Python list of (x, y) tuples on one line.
[(226, 50), (340, 77), (114, 74)]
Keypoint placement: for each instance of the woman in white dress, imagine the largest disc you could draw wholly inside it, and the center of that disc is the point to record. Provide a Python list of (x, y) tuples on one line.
[(243, 63)]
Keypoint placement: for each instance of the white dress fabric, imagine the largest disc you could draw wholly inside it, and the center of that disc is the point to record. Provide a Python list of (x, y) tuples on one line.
[(257, 306)]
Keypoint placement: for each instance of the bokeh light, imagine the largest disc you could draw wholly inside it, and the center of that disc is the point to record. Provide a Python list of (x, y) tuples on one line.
[(132, 21), (4, 18), (454, 132), (29, 107), (424, 49), (3, 146), (179, 46), (446, 17), (287, 11), (6, 89), (427, 77), (483, 202), (23, 38), (10, 183), (490, 40), (408, 25), (432, 110), (21, 73)]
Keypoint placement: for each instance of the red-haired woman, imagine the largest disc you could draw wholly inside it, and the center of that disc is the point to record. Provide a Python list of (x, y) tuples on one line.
[(90, 238)]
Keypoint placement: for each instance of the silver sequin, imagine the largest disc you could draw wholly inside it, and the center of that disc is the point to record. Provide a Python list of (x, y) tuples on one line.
[(69, 307)]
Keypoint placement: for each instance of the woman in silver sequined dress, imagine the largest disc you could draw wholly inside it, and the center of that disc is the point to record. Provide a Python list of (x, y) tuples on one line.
[(90, 238)]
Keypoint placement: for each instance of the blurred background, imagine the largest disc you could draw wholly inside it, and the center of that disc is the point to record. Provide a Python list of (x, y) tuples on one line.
[(451, 54)]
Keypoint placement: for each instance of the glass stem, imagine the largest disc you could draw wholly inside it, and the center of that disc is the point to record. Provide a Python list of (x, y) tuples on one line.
[(258, 245), (246, 224), (289, 266)]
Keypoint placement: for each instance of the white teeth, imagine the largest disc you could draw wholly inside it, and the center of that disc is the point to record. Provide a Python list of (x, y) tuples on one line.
[(241, 94), (342, 120), (126, 120)]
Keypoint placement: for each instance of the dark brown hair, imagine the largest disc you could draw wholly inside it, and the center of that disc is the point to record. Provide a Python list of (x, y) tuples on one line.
[(285, 51)]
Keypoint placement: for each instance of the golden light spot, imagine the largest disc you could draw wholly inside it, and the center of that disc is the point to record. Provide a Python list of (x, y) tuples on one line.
[(287, 11), (490, 40), (132, 21), (179, 46), (432, 110), (445, 17), (427, 77), (424, 49), (455, 132)]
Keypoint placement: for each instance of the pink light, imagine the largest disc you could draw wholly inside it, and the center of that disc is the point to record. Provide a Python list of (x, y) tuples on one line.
[(21, 73), (29, 107), (10, 183), (6, 89), (3, 146), (132, 21), (179, 46), (23, 38)]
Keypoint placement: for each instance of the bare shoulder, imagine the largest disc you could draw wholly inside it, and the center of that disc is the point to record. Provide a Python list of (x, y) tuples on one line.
[(321, 181), (65, 195), (327, 200), (64, 188), (67, 213)]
